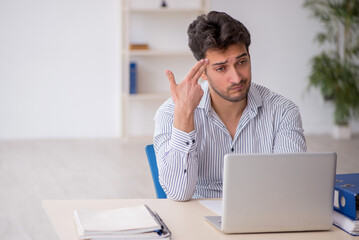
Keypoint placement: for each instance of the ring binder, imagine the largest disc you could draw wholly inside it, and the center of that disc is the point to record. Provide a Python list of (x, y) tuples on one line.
[(346, 194)]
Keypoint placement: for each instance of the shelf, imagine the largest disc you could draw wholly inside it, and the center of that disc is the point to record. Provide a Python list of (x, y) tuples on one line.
[(162, 31), (153, 53), (164, 10), (148, 96)]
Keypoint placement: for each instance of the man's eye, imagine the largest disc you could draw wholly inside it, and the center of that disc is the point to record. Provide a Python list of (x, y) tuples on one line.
[(220, 69), (242, 62)]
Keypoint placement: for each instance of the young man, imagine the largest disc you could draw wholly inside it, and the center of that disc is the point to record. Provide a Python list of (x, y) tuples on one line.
[(226, 114)]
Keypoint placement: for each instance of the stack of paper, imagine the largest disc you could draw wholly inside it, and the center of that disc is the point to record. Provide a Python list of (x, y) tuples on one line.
[(125, 223), (346, 223)]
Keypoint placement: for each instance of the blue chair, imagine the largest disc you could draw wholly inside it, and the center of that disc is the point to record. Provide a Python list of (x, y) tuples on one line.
[(151, 156)]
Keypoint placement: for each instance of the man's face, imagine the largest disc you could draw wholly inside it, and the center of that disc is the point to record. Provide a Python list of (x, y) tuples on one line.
[(229, 72)]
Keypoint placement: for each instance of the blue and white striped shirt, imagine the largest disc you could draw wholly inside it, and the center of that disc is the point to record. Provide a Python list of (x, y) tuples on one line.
[(191, 164)]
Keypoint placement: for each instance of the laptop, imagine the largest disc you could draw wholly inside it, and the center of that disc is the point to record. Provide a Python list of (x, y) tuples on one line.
[(277, 192)]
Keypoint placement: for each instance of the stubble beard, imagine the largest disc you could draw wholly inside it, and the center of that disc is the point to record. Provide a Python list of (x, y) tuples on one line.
[(229, 98)]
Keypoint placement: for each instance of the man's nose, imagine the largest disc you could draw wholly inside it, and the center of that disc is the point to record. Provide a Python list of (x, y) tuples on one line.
[(235, 76)]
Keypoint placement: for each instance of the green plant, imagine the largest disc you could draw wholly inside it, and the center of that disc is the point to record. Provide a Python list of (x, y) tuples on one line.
[(335, 71)]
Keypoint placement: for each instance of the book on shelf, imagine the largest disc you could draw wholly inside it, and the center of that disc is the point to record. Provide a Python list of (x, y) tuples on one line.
[(139, 46), (346, 223), (138, 222), (133, 77)]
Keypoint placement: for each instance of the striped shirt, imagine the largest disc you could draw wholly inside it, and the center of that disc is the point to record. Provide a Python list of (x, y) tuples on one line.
[(190, 165)]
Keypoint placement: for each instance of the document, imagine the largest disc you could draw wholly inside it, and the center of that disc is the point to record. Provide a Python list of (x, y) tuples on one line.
[(213, 205), (138, 222), (346, 223)]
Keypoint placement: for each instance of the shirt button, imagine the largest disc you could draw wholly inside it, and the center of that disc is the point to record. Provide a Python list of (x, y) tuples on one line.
[(232, 149), (187, 143), (185, 171), (193, 141)]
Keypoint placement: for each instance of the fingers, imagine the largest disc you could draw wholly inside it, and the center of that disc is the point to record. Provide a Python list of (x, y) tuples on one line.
[(172, 81), (193, 75), (201, 69), (197, 70)]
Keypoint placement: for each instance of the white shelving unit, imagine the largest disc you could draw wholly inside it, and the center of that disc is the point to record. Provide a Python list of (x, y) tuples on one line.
[(164, 30)]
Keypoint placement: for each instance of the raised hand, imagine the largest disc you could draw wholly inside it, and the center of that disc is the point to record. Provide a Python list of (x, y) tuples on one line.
[(186, 95)]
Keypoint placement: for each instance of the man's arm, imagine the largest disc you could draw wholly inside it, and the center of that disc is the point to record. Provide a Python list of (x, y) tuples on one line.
[(186, 95), (174, 139), (290, 135), (176, 158)]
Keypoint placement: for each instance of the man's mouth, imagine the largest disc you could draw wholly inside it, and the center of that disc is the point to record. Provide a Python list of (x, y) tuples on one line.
[(238, 87)]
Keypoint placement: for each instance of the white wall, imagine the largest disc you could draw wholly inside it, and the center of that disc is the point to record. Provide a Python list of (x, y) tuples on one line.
[(59, 69)]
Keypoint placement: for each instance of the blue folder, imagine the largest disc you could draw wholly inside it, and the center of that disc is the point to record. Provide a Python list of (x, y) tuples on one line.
[(346, 195)]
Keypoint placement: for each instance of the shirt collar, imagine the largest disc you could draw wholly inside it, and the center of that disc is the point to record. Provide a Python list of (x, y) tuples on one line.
[(254, 98)]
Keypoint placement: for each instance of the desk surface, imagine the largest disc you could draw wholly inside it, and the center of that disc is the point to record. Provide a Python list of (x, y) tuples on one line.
[(184, 219)]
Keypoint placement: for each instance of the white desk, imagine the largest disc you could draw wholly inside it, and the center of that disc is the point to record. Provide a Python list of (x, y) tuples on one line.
[(184, 219)]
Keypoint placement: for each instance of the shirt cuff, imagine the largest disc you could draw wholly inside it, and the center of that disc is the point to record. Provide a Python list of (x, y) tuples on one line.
[(182, 141)]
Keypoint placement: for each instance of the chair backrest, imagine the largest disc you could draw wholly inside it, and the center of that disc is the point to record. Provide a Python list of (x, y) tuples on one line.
[(151, 156)]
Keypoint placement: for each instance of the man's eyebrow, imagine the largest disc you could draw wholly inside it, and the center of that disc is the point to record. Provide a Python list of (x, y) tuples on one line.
[(221, 63)]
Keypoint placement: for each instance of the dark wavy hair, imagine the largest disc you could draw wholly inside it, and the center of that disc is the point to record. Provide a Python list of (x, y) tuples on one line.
[(215, 30)]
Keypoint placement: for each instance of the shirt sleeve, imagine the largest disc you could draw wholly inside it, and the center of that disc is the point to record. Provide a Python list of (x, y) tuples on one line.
[(290, 135), (176, 158)]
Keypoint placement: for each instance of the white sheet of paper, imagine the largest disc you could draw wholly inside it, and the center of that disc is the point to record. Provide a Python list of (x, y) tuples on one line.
[(213, 205)]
